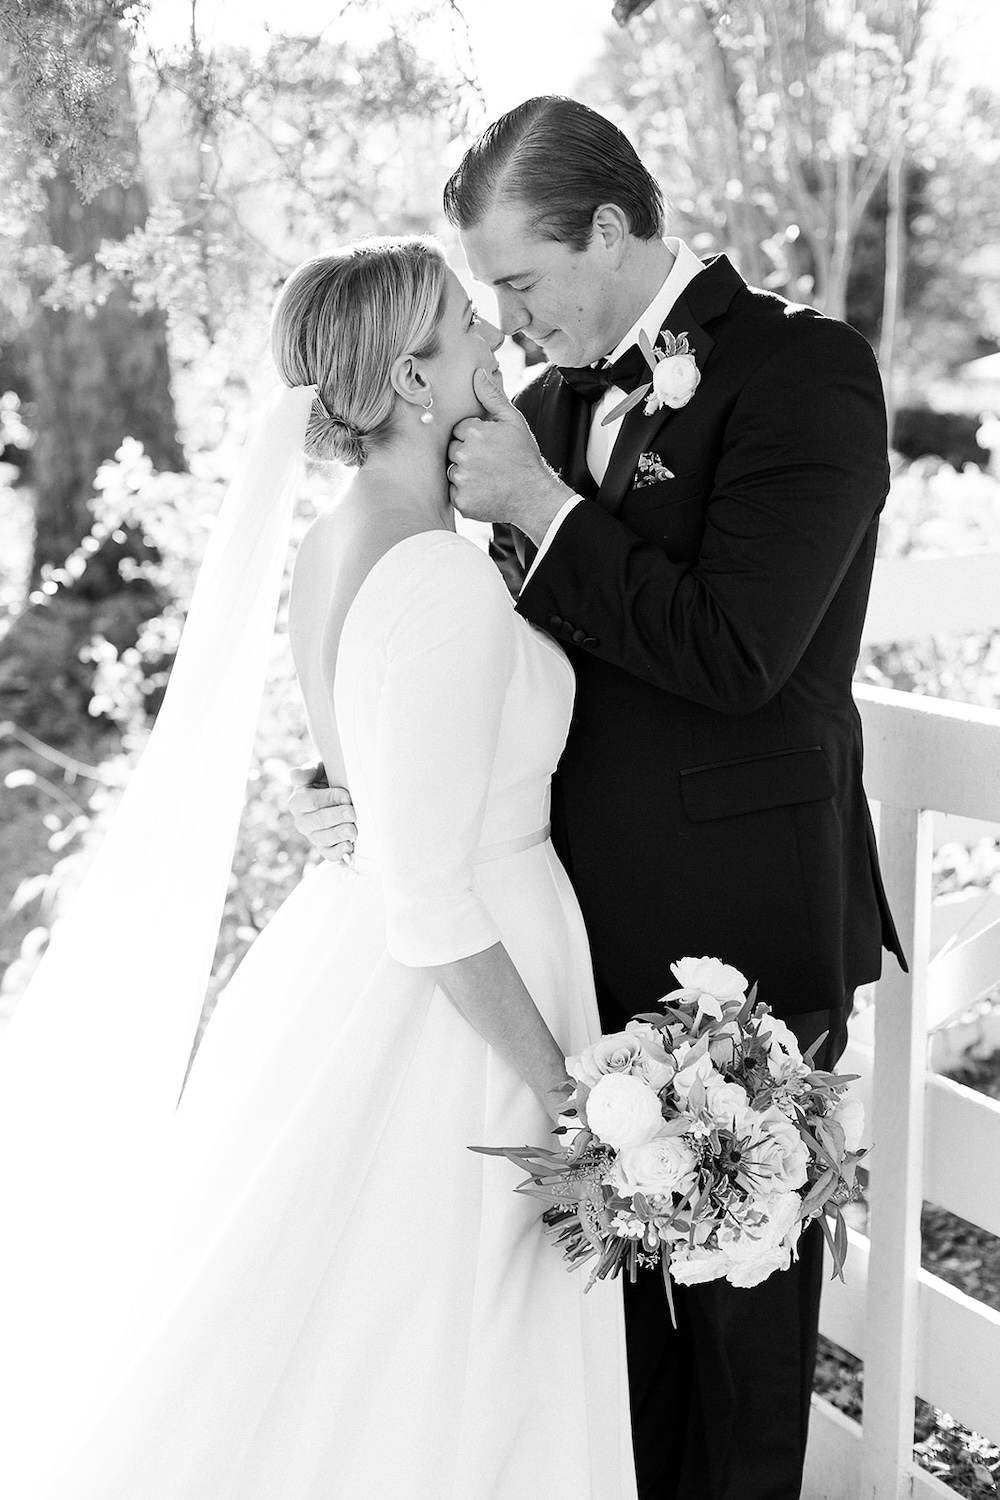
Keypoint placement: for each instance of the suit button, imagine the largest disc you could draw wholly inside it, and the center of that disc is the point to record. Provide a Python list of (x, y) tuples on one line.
[(590, 640), (579, 637), (556, 622)]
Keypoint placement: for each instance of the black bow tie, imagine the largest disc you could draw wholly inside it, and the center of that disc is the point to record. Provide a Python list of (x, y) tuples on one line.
[(627, 372)]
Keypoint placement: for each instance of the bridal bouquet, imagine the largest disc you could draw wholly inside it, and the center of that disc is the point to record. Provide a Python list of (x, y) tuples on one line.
[(700, 1138)]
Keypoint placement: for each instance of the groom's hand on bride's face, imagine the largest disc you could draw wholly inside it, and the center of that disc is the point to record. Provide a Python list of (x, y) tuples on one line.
[(323, 814), (495, 470)]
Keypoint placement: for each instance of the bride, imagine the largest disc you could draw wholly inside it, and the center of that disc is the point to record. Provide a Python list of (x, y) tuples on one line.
[(320, 1291)]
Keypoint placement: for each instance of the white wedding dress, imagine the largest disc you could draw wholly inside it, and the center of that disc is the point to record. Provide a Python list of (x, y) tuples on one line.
[(344, 1302)]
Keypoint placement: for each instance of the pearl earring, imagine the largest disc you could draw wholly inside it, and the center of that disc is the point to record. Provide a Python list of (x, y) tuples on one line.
[(426, 414)]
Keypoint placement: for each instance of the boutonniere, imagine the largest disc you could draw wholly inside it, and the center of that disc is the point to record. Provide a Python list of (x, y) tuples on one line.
[(675, 376), (649, 470)]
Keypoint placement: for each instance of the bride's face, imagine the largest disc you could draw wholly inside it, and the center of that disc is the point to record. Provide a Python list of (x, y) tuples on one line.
[(465, 344)]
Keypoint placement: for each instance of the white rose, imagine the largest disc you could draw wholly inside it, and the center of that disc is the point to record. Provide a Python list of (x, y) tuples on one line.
[(659, 1167), (728, 1105), (708, 1006), (695, 1263), (723, 1043), (675, 381), (768, 1220), (850, 1116), (655, 1064), (615, 1053), (758, 1268), (623, 1111), (700, 1069), (756, 1252), (777, 1154), (709, 976), (784, 1213)]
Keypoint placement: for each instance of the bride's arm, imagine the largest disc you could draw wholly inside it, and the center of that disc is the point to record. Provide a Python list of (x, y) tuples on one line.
[(485, 987), (492, 997), (448, 657)]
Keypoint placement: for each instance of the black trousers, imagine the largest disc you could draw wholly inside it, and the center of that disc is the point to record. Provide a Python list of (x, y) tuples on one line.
[(720, 1405)]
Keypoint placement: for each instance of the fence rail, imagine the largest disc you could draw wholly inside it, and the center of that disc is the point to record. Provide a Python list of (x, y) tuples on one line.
[(934, 1139)]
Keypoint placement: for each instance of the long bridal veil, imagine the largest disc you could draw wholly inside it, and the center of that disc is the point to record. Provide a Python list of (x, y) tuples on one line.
[(94, 1057)]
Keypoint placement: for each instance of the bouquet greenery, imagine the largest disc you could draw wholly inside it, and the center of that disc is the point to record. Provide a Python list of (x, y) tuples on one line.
[(700, 1139)]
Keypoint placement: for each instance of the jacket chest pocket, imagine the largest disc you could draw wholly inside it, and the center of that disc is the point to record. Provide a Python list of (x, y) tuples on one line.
[(670, 511)]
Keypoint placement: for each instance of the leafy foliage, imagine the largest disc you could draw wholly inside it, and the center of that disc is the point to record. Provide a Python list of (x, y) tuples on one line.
[(254, 158), (933, 509), (62, 73), (797, 114), (780, 155)]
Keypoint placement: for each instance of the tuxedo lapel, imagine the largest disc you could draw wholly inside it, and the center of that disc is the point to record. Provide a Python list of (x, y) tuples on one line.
[(705, 298), (561, 428)]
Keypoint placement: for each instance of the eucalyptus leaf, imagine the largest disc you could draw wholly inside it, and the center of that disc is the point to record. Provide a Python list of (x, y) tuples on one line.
[(633, 399), (811, 1051), (647, 349), (819, 1192), (838, 1259)]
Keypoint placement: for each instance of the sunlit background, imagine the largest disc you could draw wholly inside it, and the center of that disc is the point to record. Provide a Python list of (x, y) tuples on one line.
[(163, 167)]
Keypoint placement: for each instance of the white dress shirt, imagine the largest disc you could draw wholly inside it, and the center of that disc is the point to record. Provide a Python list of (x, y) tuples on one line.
[(602, 440)]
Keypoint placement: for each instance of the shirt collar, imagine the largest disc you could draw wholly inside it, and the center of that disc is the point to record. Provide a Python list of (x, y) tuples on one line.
[(685, 268)]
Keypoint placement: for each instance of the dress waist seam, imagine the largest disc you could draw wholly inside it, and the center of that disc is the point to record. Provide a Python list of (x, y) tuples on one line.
[(485, 854)]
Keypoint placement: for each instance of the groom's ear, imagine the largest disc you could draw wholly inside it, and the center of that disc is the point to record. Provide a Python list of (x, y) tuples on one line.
[(611, 229), (409, 381)]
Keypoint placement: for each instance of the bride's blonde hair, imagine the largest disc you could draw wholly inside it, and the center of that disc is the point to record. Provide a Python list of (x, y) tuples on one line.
[(340, 323)]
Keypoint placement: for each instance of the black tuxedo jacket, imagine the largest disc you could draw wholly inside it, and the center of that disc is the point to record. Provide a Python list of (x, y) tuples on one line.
[(710, 800)]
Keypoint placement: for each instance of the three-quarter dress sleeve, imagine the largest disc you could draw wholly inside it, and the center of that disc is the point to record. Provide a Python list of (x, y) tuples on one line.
[(449, 654)]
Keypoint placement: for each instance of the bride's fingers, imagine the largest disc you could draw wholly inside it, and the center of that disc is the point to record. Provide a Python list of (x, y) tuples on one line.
[(310, 797), (327, 823), (335, 844), (313, 774)]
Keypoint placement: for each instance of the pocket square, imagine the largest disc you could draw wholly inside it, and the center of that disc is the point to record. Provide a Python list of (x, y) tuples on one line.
[(650, 470)]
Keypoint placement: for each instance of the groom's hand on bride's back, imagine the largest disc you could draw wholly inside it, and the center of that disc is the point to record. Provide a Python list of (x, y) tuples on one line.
[(323, 814)]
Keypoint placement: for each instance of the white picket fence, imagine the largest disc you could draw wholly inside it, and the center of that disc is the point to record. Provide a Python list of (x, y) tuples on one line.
[(933, 1138)]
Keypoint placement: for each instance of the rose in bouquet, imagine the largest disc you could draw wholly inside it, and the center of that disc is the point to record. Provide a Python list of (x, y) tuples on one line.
[(700, 1139)]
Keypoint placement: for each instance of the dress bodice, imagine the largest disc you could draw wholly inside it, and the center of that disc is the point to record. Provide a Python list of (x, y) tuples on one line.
[(452, 713)]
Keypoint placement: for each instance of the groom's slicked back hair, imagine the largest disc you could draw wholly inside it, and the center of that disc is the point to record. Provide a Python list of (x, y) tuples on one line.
[(561, 160)]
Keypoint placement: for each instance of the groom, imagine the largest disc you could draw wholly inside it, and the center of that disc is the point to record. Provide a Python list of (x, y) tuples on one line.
[(705, 557)]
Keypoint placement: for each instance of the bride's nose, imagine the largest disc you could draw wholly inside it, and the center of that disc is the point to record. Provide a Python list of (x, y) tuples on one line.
[(492, 335)]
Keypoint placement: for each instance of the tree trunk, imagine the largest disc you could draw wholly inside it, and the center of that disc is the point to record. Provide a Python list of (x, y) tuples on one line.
[(96, 378), (99, 376), (834, 303), (741, 227), (895, 261)]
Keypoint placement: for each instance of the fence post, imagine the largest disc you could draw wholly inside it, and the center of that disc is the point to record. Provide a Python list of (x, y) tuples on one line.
[(897, 1133)]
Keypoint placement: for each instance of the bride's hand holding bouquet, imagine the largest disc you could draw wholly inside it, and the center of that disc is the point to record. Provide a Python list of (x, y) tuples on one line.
[(699, 1138)]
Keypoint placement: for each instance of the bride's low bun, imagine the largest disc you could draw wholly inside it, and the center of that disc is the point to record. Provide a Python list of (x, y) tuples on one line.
[(340, 323), (331, 439)]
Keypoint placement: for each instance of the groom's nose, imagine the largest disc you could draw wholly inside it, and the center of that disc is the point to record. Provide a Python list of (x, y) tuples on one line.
[(511, 311)]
